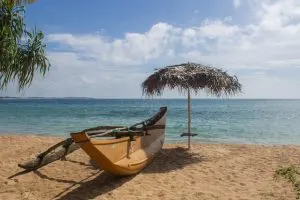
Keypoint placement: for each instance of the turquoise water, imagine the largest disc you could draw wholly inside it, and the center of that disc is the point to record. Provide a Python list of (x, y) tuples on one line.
[(224, 121)]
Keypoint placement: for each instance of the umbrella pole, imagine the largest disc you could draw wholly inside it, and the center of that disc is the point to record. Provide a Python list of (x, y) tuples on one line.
[(189, 119)]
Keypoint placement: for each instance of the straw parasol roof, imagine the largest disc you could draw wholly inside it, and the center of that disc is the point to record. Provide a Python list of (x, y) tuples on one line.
[(193, 77)]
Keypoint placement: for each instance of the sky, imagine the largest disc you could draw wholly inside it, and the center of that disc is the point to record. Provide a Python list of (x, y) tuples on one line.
[(105, 49)]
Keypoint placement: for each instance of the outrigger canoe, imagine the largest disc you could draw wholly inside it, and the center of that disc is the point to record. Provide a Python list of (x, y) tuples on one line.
[(118, 150)]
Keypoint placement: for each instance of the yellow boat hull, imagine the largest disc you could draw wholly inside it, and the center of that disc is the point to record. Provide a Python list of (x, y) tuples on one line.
[(125, 156)]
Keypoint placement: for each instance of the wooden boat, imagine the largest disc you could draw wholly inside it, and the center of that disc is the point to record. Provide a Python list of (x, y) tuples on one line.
[(118, 150), (130, 150)]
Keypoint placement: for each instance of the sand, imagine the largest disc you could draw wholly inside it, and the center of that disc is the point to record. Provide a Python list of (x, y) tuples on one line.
[(208, 171)]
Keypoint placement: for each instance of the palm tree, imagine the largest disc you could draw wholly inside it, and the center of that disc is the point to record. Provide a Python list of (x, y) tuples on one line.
[(22, 52)]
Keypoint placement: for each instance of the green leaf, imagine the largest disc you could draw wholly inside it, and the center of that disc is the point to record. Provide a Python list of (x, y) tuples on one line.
[(20, 59)]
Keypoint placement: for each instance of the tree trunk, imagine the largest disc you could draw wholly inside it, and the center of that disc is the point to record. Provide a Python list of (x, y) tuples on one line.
[(189, 119)]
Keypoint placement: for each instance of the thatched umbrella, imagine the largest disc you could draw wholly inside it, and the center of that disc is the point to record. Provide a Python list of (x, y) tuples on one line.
[(189, 77)]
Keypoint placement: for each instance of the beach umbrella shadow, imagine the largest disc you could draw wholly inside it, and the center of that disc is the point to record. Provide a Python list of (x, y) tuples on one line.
[(171, 159)]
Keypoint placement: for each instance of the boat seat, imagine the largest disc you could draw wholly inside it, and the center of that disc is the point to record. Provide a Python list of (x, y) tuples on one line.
[(188, 134)]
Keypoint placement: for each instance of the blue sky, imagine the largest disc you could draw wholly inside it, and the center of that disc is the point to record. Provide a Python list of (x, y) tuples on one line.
[(105, 49), (119, 17)]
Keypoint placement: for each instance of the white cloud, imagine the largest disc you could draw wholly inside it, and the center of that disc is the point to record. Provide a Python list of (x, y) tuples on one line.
[(269, 86), (216, 29), (236, 3), (133, 49), (271, 41), (114, 67), (161, 41)]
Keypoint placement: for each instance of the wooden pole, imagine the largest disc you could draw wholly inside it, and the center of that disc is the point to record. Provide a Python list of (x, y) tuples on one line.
[(189, 119)]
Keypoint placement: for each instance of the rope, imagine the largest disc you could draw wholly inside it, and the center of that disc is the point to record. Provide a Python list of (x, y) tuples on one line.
[(131, 137), (42, 155), (145, 128), (67, 144)]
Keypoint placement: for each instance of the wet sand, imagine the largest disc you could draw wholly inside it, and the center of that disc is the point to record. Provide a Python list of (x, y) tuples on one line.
[(208, 171)]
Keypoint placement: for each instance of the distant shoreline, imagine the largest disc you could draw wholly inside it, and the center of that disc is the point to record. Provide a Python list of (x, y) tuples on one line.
[(147, 98)]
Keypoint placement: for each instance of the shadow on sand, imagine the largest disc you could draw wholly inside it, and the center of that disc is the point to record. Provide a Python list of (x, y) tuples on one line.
[(173, 159), (167, 160), (91, 165), (102, 184)]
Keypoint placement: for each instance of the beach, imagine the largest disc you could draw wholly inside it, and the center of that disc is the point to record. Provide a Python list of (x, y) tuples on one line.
[(169, 100), (208, 171)]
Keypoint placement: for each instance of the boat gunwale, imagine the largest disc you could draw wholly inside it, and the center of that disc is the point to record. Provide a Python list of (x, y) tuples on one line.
[(153, 120)]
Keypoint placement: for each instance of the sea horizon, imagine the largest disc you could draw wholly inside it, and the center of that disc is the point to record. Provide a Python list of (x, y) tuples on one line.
[(149, 98)]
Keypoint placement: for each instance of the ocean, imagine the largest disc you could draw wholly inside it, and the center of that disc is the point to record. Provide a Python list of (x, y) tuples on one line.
[(214, 120)]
